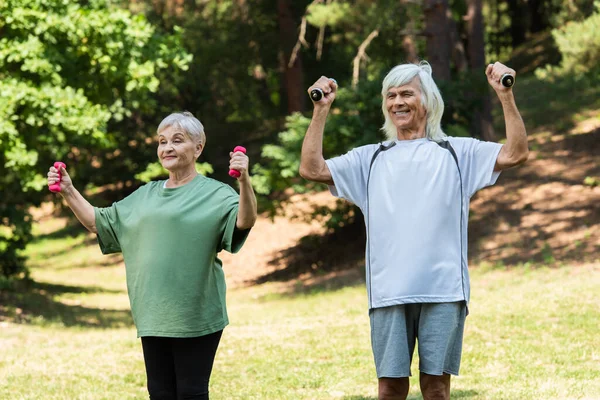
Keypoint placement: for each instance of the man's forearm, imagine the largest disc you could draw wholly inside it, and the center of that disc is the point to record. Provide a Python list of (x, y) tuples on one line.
[(516, 134), (311, 158), (82, 209), (247, 211)]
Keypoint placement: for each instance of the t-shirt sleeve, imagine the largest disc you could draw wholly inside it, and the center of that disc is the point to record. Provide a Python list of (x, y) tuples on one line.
[(107, 225), (476, 159), (349, 174), (232, 238)]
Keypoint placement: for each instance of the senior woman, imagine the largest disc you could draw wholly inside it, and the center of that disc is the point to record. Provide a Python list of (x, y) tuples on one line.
[(170, 233)]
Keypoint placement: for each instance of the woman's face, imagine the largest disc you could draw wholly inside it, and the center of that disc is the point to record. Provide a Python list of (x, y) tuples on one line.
[(176, 149)]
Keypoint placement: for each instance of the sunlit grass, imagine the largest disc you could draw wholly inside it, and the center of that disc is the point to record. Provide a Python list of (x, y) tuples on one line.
[(532, 334)]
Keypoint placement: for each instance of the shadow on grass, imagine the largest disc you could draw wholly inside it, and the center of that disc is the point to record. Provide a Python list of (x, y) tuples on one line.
[(322, 262), (36, 304), (527, 235), (455, 394)]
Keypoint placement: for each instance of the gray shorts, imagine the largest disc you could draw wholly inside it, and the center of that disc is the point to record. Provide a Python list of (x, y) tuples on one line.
[(438, 328)]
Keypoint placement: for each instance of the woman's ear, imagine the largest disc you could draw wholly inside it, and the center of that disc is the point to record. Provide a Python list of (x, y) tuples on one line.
[(199, 148)]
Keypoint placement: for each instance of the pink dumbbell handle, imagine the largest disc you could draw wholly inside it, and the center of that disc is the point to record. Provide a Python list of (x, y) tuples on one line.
[(234, 173), (55, 188)]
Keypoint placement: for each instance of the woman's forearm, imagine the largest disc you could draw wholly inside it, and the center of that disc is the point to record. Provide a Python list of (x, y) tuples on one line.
[(247, 211), (82, 209)]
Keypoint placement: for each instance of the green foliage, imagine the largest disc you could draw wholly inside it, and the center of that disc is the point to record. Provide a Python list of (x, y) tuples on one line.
[(72, 76), (331, 14), (579, 45), (354, 120), (155, 170)]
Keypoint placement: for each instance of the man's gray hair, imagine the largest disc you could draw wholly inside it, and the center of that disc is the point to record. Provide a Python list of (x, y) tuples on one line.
[(430, 98), (186, 121)]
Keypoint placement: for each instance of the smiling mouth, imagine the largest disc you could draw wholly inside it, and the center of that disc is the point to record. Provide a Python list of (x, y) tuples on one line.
[(401, 113)]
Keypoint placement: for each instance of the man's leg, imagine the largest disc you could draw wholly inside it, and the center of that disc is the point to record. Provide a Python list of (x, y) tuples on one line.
[(393, 342), (440, 337), (393, 388), (435, 387)]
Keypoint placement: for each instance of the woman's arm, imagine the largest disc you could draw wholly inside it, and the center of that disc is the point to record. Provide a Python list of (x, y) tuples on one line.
[(247, 212), (82, 209)]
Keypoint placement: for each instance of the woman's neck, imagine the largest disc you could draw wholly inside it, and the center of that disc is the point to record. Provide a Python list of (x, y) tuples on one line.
[(180, 178)]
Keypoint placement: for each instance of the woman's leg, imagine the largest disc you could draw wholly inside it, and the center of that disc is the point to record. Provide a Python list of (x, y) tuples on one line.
[(194, 358), (160, 368)]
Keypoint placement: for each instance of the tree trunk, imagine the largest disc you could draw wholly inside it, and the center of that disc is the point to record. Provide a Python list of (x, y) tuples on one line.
[(410, 50), (436, 30), (459, 57), (293, 80), (537, 16), (518, 24), (482, 119)]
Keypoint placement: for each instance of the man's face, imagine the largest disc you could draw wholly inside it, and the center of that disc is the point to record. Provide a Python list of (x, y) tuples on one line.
[(404, 106), (176, 149)]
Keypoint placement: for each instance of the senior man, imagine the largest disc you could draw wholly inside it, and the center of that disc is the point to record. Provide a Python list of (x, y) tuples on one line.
[(414, 191)]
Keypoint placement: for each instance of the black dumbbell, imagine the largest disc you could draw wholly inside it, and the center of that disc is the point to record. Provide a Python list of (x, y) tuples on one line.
[(507, 80), (317, 94)]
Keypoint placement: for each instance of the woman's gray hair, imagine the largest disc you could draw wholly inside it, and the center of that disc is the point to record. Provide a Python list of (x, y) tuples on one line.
[(430, 98), (186, 121)]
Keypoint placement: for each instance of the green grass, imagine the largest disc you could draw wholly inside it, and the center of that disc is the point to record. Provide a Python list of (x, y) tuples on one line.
[(532, 334)]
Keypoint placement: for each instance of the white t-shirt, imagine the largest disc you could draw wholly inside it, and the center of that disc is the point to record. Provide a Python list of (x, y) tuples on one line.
[(416, 242)]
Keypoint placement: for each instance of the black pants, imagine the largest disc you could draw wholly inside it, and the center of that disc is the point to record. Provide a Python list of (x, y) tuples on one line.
[(179, 368)]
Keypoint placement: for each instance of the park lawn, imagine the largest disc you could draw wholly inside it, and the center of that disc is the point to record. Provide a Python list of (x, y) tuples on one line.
[(532, 334)]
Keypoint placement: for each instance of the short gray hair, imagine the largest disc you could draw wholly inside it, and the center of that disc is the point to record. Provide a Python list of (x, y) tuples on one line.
[(430, 98), (186, 121)]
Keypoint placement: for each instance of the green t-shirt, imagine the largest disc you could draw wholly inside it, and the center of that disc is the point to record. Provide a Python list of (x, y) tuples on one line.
[(170, 239)]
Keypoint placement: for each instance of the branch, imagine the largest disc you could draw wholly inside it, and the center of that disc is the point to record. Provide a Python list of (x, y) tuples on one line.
[(320, 42), (362, 55), (299, 43), (301, 37)]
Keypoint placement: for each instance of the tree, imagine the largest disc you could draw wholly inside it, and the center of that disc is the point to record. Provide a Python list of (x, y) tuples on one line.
[(482, 118), (437, 30), (76, 80), (292, 67)]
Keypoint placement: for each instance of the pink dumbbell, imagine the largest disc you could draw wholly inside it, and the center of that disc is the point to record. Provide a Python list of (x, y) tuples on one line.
[(55, 187), (234, 173)]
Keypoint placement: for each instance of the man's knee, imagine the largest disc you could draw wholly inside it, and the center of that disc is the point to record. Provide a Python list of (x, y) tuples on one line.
[(393, 388), (435, 387)]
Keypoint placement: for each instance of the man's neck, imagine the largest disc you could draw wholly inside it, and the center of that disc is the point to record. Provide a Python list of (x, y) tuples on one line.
[(411, 134)]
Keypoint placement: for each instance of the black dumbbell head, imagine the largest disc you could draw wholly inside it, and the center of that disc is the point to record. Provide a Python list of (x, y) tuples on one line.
[(507, 80)]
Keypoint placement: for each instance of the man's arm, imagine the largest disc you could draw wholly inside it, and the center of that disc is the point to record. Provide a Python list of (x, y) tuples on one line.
[(515, 151), (312, 162)]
